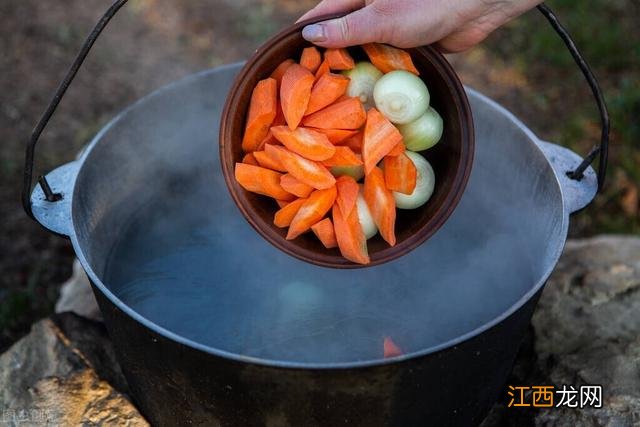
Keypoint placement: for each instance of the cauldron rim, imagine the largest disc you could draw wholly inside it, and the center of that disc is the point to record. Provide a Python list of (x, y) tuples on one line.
[(98, 285)]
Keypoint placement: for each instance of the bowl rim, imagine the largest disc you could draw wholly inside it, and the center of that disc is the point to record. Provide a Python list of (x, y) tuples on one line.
[(428, 229)]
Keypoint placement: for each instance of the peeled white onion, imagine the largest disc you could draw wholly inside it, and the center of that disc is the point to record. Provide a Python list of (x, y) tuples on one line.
[(363, 78), (424, 184), (369, 227), (424, 132), (401, 96)]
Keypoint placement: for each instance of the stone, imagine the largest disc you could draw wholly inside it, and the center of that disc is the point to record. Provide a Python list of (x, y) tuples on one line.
[(76, 295), (585, 331), (64, 373)]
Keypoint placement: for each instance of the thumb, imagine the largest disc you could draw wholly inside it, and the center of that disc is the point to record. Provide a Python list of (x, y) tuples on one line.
[(362, 26)]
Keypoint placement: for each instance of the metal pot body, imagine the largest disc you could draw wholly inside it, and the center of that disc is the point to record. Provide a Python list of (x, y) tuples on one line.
[(175, 384), (517, 180)]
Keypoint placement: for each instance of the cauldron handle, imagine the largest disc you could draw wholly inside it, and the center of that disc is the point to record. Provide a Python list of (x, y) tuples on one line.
[(48, 193), (576, 194), (601, 149), (52, 197)]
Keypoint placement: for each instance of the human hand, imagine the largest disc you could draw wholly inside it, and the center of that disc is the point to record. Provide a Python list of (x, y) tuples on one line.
[(455, 25)]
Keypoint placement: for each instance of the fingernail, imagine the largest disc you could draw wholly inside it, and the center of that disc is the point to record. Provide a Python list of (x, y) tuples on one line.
[(314, 33)]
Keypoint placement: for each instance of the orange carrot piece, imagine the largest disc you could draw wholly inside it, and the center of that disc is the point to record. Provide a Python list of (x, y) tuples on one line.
[(326, 90), (344, 156), (348, 190), (295, 90), (400, 174), (322, 70), (336, 136), (380, 137), (268, 160), (269, 139), (339, 59), (279, 120), (261, 180), (311, 173), (390, 349), (345, 97), (291, 184), (308, 143), (397, 150), (347, 114), (282, 203), (381, 204), (249, 159), (280, 70), (313, 210), (350, 237), (388, 58), (354, 142), (286, 214), (311, 58), (325, 232), (262, 111)]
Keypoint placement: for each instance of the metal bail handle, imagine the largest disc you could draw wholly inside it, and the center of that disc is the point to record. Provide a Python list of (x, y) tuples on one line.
[(602, 149), (53, 104)]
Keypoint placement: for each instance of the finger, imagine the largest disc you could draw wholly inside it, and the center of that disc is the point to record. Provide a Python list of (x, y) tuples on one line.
[(362, 26), (326, 7)]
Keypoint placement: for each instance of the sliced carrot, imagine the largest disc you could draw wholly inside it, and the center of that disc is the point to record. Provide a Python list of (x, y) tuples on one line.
[(279, 120), (311, 58), (311, 173), (322, 69), (249, 159), (269, 139), (326, 90), (388, 58), (347, 114), (348, 190), (339, 59), (261, 180), (268, 160), (344, 156), (354, 142), (381, 204), (400, 174), (291, 184), (350, 237), (390, 348), (286, 214), (262, 111), (313, 210), (280, 69), (282, 203), (380, 137), (295, 90), (344, 98), (325, 232), (308, 143), (397, 150), (337, 136)]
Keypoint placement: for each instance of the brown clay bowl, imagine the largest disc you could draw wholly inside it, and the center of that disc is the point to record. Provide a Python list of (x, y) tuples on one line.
[(451, 158)]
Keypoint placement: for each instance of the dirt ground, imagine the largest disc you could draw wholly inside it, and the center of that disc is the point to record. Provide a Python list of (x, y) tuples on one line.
[(153, 42)]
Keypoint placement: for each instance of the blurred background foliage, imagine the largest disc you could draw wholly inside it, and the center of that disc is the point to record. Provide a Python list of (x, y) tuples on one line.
[(608, 35), (524, 66)]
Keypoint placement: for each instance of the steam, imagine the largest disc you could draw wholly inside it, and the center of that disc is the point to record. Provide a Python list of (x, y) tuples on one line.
[(180, 253)]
